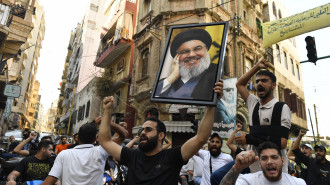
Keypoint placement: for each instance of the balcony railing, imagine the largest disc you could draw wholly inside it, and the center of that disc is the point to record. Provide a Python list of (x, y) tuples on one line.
[(5, 15)]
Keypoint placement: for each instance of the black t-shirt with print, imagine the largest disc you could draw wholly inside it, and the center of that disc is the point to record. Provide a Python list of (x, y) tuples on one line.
[(31, 168), (162, 168)]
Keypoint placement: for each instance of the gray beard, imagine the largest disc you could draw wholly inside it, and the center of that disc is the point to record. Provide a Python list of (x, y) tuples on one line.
[(188, 73)]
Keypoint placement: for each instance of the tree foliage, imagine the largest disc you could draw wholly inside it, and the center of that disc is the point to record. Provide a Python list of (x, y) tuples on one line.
[(103, 84)]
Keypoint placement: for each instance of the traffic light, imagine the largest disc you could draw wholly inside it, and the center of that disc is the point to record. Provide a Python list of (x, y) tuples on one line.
[(195, 125), (311, 49)]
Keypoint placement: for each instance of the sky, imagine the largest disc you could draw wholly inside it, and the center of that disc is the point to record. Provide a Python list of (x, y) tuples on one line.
[(62, 16)]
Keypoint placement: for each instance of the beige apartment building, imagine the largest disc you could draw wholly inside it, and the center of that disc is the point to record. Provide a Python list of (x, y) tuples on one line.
[(20, 47), (244, 48)]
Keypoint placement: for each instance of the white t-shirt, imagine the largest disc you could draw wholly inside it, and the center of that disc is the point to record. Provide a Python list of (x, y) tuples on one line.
[(198, 166), (82, 165), (216, 162), (258, 178), (265, 115)]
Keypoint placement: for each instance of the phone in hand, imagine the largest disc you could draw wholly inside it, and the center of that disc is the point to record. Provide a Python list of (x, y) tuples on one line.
[(238, 134)]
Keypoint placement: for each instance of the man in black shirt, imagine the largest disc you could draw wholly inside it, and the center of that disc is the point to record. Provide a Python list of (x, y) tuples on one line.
[(150, 164), (11, 147), (34, 167), (318, 169)]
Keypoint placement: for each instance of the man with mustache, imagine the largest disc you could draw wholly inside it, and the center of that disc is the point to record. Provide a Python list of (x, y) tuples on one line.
[(213, 159), (269, 120), (271, 162), (192, 73), (318, 169), (150, 164)]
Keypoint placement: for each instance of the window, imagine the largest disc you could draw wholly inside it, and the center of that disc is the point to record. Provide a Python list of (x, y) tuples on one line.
[(292, 66), (278, 53), (145, 58), (270, 57), (274, 10), (285, 60), (248, 65), (117, 98), (259, 28), (281, 94), (87, 109), (298, 74), (120, 65), (244, 15), (146, 6)]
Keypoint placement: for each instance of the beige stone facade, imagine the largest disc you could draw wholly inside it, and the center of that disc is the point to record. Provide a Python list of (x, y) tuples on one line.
[(244, 48)]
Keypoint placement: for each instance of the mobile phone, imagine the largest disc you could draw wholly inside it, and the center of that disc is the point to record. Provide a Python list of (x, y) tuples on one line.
[(237, 134)]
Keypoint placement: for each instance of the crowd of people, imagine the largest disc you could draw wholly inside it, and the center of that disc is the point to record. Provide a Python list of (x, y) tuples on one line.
[(258, 157)]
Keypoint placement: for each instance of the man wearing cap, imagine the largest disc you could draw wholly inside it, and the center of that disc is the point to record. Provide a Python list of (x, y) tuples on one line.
[(214, 156), (307, 150), (318, 169), (192, 73)]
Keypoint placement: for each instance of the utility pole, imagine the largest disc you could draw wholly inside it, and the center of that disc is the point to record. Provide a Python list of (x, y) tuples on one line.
[(317, 126)]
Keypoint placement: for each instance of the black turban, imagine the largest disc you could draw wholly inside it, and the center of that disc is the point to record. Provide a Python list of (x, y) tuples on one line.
[(191, 34)]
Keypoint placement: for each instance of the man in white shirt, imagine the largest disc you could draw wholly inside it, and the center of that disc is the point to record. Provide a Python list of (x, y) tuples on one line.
[(214, 156), (271, 163), (84, 164)]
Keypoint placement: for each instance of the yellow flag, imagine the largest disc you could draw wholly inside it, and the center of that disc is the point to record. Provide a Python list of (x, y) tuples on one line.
[(297, 24), (216, 32)]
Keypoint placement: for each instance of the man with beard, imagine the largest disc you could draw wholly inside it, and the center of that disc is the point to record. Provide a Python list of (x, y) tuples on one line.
[(318, 169), (192, 73), (150, 164), (271, 162), (269, 120), (215, 157)]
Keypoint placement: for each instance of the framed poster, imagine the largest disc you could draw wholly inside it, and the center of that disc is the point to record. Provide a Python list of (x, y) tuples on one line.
[(192, 63)]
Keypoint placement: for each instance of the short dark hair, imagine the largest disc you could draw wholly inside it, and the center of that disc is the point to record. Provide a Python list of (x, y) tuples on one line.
[(62, 137), (46, 137), (75, 134), (160, 125), (44, 144), (268, 145), (267, 73), (87, 133)]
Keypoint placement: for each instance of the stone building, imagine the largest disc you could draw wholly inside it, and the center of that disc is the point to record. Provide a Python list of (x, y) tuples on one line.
[(244, 48)]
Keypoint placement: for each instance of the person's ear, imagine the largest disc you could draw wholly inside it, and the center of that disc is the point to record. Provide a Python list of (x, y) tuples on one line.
[(273, 85), (161, 136)]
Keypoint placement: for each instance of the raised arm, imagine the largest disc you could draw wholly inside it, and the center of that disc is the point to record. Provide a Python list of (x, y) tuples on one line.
[(244, 79), (190, 147), (18, 148), (12, 177), (168, 143), (296, 143), (230, 141), (122, 133), (131, 143), (290, 153), (105, 138), (243, 160)]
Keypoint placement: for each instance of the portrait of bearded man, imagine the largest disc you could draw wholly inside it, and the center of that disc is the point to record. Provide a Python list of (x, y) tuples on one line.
[(192, 71)]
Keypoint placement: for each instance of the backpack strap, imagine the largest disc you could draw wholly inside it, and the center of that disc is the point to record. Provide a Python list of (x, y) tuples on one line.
[(277, 114), (255, 115)]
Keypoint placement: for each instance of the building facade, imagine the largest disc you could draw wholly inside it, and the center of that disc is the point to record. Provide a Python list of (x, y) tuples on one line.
[(79, 71), (116, 54), (244, 48), (21, 52)]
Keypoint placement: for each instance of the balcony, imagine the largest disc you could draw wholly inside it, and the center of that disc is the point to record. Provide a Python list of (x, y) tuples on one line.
[(116, 40)]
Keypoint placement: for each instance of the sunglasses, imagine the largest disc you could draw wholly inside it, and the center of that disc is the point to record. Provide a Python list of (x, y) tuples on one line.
[(146, 130), (229, 89)]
